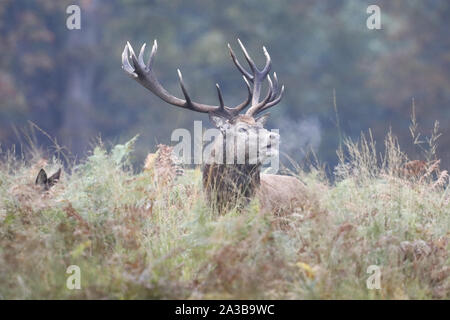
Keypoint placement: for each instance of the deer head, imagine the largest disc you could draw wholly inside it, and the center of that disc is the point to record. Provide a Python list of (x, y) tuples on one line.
[(229, 120), (47, 183)]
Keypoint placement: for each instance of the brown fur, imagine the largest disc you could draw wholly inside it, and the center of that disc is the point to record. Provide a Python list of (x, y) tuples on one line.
[(243, 118), (230, 185), (280, 194)]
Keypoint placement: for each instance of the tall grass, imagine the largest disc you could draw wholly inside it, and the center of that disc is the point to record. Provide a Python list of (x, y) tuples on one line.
[(134, 236)]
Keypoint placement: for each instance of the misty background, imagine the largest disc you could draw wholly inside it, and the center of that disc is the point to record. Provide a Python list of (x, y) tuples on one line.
[(70, 82)]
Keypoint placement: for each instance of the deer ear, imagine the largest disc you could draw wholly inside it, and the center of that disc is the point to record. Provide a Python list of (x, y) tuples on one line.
[(41, 178), (219, 122), (263, 119), (54, 178)]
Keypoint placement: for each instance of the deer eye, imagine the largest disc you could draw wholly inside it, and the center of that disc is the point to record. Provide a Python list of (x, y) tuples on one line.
[(242, 130)]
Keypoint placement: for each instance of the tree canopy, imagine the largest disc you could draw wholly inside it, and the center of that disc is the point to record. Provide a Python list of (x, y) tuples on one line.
[(70, 82)]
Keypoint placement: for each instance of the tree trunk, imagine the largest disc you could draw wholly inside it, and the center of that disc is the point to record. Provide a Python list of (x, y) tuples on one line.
[(77, 127)]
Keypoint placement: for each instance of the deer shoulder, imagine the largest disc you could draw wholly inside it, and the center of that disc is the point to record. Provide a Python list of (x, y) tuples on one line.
[(280, 194)]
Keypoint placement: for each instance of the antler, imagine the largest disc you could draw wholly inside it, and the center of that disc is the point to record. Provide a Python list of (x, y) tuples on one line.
[(257, 77), (143, 73)]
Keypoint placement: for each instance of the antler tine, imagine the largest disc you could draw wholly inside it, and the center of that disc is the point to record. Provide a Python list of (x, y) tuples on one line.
[(239, 66), (235, 111), (134, 59), (275, 86), (183, 88), (152, 54), (126, 63), (265, 71), (141, 57), (254, 109), (272, 102), (250, 61), (219, 94)]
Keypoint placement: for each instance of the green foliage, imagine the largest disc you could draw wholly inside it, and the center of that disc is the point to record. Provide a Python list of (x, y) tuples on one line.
[(134, 238)]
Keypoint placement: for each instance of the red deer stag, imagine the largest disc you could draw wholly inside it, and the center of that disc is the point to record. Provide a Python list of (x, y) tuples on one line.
[(228, 185)]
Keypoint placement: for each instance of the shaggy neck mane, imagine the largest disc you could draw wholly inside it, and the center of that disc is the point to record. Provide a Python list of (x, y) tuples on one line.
[(230, 185)]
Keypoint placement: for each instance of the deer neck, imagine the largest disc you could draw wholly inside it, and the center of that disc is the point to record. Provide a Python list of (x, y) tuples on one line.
[(228, 185)]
